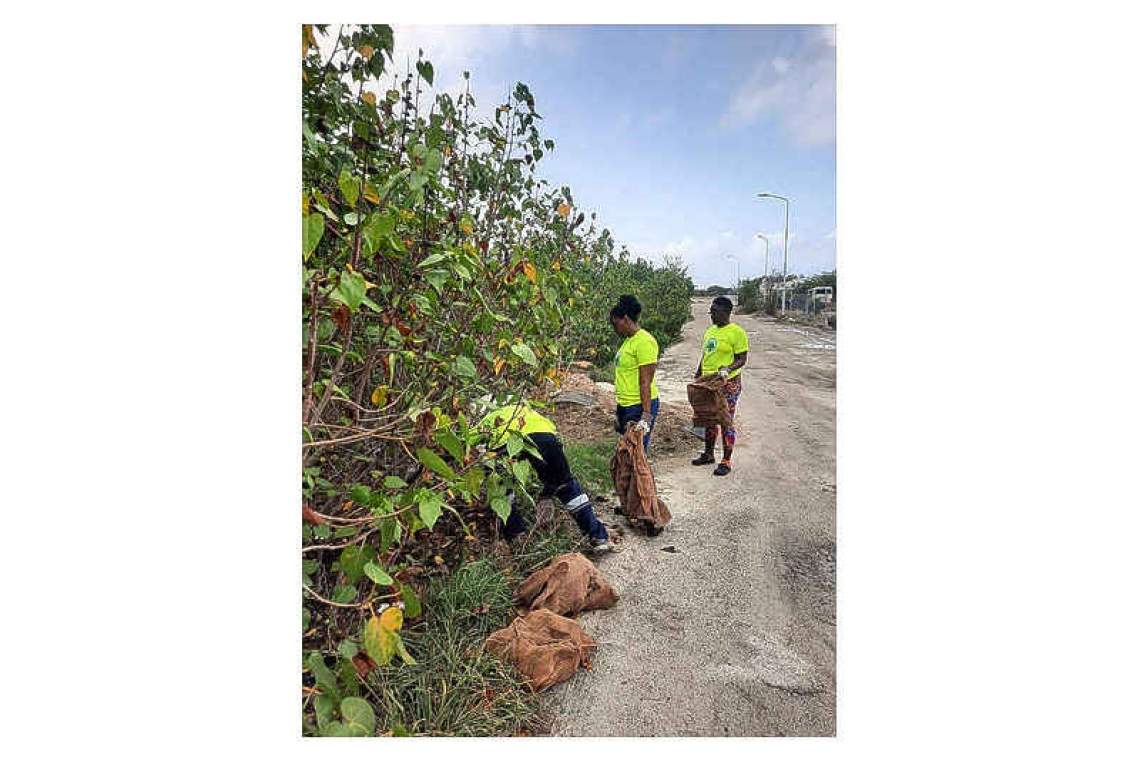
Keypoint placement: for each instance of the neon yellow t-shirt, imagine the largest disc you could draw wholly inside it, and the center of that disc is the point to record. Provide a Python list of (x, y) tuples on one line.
[(520, 417), (722, 344), (636, 351)]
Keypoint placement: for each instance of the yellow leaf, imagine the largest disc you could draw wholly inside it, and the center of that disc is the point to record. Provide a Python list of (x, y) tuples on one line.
[(305, 204), (380, 395), (466, 226), (366, 51), (502, 342), (499, 364), (558, 266), (369, 98), (392, 618), (306, 38), (447, 151), (370, 192), (529, 271), (563, 210), (392, 95), (380, 638), (571, 301)]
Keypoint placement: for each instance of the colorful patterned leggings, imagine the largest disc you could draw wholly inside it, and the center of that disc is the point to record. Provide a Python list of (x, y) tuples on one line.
[(731, 394)]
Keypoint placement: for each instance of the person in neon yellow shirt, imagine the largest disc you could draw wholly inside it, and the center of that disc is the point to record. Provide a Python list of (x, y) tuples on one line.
[(553, 470), (725, 352), (634, 367)]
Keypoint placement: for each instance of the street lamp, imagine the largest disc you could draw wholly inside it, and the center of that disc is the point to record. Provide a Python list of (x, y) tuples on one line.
[(731, 257), (764, 237), (784, 290)]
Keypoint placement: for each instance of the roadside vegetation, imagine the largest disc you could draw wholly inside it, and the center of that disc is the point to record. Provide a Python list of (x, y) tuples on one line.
[(438, 267)]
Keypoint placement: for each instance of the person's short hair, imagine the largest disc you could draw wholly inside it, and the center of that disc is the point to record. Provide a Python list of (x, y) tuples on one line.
[(723, 303), (627, 306)]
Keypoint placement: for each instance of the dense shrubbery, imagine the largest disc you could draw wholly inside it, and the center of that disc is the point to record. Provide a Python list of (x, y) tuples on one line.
[(438, 268), (750, 296)]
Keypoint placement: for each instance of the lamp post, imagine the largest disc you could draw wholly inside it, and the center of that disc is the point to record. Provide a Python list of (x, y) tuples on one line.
[(732, 257), (784, 289), (764, 237)]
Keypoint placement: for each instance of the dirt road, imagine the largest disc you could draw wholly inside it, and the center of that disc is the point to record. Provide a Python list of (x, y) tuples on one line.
[(733, 634)]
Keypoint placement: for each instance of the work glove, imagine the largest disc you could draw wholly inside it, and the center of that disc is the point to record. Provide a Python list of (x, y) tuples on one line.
[(643, 425), (723, 372)]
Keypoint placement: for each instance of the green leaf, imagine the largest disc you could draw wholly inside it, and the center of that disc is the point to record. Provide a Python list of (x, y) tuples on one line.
[(417, 180), (501, 507), (474, 479), (426, 71), (399, 730), (430, 507), (375, 230), (352, 560), (361, 494), (377, 574), (358, 716), (433, 161), (522, 471), (451, 443), (347, 649), (350, 290), (412, 606), (392, 181), (435, 258), (514, 445), (312, 229), (523, 351), (351, 218), (464, 367), (323, 706), (349, 187), (344, 594), (326, 679), (392, 483), (437, 278), (435, 463)]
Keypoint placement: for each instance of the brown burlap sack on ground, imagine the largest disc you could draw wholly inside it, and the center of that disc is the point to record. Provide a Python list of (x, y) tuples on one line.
[(545, 647), (633, 481), (569, 585), (710, 407)]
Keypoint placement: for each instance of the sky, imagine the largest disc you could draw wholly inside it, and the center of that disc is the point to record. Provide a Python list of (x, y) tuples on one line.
[(669, 132)]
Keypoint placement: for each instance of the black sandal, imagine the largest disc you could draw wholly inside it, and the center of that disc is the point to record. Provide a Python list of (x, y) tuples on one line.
[(722, 469), (704, 459)]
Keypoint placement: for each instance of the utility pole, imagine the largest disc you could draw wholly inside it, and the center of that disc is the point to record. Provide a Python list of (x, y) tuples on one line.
[(784, 289)]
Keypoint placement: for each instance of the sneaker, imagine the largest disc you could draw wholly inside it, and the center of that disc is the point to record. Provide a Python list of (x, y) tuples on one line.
[(601, 546), (704, 459), (722, 469)]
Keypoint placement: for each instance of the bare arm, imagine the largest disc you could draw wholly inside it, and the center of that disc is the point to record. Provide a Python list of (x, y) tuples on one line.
[(644, 377), (740, 360)]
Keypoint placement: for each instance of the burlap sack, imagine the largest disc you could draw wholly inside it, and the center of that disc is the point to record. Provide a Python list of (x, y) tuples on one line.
[(569, 585), (710, 407), (545, 647), (633, 481)]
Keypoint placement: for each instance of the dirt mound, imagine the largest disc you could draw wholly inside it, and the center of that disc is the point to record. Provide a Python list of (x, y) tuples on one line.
[(579, 424)]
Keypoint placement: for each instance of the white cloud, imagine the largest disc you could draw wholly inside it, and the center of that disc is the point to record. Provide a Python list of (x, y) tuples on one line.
[(708, 262), (798, 90)]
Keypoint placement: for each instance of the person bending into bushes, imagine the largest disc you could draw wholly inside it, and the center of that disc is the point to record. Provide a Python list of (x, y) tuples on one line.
[(553, 470), (635, 364), (725, 353)]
